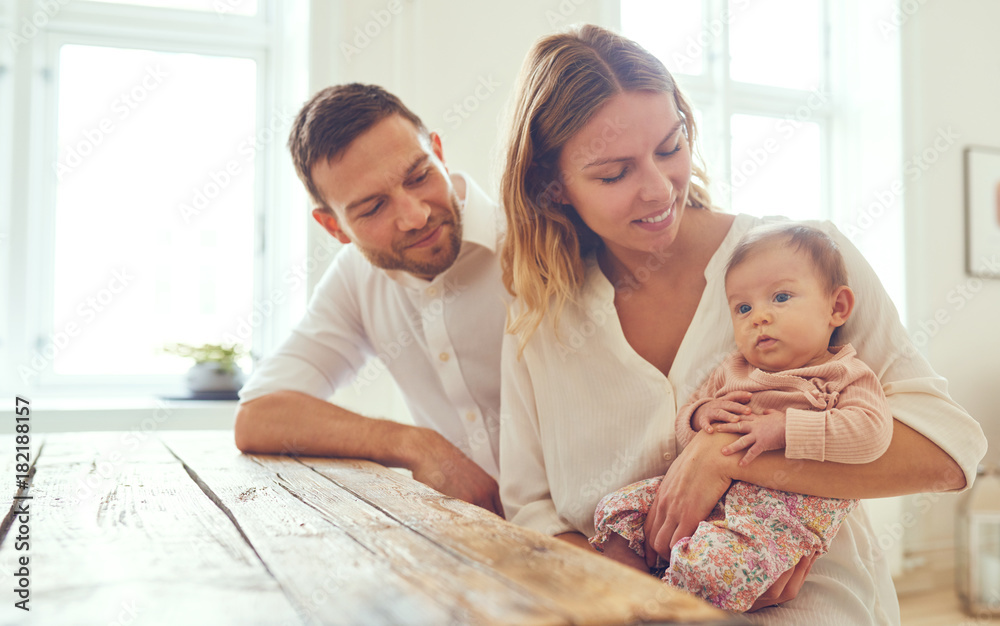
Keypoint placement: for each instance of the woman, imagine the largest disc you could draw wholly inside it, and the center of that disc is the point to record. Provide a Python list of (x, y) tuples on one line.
[(616, 259)]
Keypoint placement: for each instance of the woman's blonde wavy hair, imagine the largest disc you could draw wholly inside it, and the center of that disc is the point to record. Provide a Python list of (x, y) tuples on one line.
[(565, 80)]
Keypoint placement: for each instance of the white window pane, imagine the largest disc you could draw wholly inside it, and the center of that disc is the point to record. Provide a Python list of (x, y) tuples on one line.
[(671, 30), (154, 205), (776, 42), (776, 167), (222, 7)]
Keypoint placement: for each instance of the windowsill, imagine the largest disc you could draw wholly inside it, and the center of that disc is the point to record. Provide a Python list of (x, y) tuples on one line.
[(140, 413)]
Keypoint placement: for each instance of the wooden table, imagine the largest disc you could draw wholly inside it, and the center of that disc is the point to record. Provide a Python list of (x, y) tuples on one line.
[(180, 528)]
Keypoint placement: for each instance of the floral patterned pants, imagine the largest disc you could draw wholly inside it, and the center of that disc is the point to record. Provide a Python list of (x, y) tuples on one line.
[(753, 535)]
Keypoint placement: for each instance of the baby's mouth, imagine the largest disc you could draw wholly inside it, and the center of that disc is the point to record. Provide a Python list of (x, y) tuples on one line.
[(766, 342)]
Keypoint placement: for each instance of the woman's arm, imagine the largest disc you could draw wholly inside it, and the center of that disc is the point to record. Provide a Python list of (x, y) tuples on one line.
[(917, 396), (577, 539), (700, 476)]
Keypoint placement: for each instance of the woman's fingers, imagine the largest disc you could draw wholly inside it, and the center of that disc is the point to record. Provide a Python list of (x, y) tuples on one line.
[(651, 528), (787, 586)]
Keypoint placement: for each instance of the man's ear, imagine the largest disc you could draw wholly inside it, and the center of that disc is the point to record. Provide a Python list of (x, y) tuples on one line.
[(437, 148), (328, 221), (843, 305)]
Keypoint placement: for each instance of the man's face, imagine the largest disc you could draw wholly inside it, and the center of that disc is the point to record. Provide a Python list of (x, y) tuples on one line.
[(391, 195)]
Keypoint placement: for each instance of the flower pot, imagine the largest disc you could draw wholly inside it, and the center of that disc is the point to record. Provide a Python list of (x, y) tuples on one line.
[(211, 376)]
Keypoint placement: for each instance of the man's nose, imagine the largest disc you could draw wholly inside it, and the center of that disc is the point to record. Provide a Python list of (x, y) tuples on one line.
[(411, 213)]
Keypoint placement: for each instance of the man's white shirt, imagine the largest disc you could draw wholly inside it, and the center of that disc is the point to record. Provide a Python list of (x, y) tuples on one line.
[(440, 339)]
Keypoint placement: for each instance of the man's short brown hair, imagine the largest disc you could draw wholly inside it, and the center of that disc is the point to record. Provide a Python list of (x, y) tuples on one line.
[(335, 117)]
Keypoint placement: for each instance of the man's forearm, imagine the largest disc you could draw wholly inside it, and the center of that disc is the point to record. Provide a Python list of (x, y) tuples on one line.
[(912, 464), (289, 422)]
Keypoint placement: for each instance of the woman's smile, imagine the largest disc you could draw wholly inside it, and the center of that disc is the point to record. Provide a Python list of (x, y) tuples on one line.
[(659, 220)]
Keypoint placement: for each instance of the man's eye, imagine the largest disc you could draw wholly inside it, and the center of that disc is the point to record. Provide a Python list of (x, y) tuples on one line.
[(743, 309), (372, 211), (782, 297), (419, 179)]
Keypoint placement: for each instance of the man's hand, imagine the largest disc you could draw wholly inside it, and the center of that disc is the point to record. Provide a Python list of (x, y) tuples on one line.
[(760, 433), (729, 408), (441, 465), (695, 482)]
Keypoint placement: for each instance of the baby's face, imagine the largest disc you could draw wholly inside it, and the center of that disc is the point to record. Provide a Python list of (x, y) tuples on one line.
[(783, 313)]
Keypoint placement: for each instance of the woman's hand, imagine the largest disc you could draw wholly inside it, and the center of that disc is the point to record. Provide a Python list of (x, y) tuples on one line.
[(787, 586), (695, 482)]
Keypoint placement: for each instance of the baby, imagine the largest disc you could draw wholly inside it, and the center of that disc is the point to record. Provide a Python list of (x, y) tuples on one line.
[(786, 387)]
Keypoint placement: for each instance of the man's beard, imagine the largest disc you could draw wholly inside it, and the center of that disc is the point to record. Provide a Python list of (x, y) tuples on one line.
[(444, 252)]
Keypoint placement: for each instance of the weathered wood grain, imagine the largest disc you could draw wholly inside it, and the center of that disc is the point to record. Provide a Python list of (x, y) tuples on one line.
[(587, 587), (344, 561), (180, 528), (120, 534)]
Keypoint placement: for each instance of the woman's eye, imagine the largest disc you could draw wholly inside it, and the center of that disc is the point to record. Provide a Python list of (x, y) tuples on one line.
[(615, 179), (743, 309), (782, 297), (676, 149)]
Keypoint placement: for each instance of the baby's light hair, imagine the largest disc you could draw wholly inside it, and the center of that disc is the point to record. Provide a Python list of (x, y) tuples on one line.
[(821, 248)]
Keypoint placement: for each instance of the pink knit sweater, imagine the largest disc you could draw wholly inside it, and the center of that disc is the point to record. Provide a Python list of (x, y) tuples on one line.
[(835, 411)]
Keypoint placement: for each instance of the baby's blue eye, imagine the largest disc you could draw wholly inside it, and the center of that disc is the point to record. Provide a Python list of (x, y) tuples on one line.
[(782, 297), (743, 309)]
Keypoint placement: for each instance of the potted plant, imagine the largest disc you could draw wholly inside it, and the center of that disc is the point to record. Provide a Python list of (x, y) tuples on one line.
[(215, 370)]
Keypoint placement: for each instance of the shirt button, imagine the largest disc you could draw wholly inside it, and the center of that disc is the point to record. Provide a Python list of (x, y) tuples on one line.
[(471, 416), (444, 356), (667, 456)]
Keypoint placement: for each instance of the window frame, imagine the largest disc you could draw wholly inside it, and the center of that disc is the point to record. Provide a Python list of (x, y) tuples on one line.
[(273, 39), (719, 97), (847, 151)]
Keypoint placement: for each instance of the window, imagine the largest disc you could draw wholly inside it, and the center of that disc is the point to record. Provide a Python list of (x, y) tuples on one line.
[(158, 187), (759, 85), (798, 108)]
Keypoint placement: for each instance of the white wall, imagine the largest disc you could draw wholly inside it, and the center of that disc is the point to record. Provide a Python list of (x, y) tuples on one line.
[(951, 83), (453, 63)]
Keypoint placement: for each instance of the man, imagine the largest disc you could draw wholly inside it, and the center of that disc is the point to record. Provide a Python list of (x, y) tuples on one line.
[(419, 289)]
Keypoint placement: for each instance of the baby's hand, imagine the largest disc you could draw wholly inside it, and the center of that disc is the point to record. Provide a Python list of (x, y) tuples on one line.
[(729, 408), (760, 433)]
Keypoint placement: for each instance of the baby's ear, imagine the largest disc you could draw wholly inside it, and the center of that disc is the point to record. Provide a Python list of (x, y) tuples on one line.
[(843, 305)]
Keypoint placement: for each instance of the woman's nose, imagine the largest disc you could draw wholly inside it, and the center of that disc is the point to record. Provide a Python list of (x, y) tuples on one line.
[(656, 185)]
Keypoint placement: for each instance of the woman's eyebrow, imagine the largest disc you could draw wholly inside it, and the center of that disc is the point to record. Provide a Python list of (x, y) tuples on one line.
[(673, 131), (598, 162)]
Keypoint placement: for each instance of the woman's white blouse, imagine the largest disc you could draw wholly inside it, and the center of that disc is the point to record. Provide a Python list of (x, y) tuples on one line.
[(584, 415)]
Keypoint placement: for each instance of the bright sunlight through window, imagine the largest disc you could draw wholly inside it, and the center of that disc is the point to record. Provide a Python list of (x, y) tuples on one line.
[(154, 206)]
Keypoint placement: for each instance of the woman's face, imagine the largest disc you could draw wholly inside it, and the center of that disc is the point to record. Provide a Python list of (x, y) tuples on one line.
[(627, 172)]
